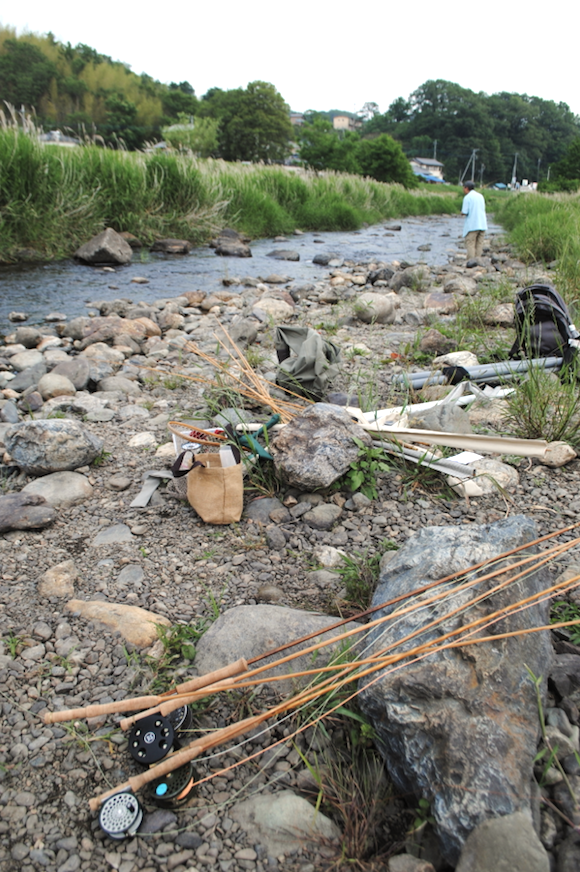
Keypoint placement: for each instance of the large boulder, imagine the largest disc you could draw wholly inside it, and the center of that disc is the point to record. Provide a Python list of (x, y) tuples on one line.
[(231, 244), (416, 278), (106, 247), (460, 727), (109, 328), (317, 447), (61, 489), (41, 447)]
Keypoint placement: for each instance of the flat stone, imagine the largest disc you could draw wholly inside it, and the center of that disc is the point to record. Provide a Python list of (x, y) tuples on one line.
[(132, 574), (25, 359), (260, 509), (25, 512), (61, 489), (118, 482), (136, 625), (283, 254), (115, 535), (59, 580), (445, 304), (119, 383), (323, 517), (143, 440)]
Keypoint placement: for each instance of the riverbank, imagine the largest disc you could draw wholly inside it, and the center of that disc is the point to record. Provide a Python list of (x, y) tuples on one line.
[(52, 199), (164, 559)]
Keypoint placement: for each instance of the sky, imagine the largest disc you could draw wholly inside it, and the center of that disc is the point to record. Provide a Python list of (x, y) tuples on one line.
[(327, 56)]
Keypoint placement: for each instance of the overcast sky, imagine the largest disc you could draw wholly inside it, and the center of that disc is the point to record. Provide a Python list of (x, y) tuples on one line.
[(328, 55)]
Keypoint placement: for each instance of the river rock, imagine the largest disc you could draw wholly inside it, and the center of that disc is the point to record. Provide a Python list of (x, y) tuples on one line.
[(283, 254), (61, 489), (460, 285), (231, 244), (505, 843), (172, 246), (75, 369), (106, 247), (28, 378), (278, 310), (136, 625), (102, 355), (40, 447), (376, 308), (243, 332), (110, 328), (59, 580), (323, 517), (117, 534), (25, 512), (9, 412), (461, 727), (317, 446), (434, 342), (445, 304), (558, 454), (54, 385), (283, 822), (414, 277), (502, 315), (27, 336), (384, 274), (492, 476), (120, 383), (25, 359), (249, 631)]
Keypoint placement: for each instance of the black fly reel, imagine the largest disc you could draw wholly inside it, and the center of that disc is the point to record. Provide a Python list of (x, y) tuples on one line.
[(151, 739), (174, 789), (121, 815)]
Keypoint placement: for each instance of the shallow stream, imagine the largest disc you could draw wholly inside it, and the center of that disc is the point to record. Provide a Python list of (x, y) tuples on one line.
[(66, 286)]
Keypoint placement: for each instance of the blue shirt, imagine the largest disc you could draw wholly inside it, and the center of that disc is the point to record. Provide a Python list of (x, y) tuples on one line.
[(473, 208)]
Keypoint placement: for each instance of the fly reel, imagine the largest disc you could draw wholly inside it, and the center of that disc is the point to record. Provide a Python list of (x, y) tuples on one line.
[(121, 815), (173, 789), (151, 739), (181, 719)]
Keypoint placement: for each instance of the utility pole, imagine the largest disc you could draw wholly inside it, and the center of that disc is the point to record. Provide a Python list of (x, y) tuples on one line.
[(548, 179), (514, 169), (539, 162), (471, 162), (481, 175), (435, 149)]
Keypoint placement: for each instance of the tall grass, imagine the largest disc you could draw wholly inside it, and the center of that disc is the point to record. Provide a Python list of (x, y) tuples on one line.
[(545, 227), (52, 199)]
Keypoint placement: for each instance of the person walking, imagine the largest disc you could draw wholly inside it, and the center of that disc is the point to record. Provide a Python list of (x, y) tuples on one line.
[(475, 224)]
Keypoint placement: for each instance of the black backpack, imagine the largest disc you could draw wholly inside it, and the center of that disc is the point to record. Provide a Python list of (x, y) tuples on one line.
[(543, 325)]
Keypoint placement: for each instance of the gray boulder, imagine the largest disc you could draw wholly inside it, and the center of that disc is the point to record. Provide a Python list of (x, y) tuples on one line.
[(25, 512), (41, 447), (106, 247), (172, 246), (249, 631), (27, 336), (461, 726), (55, 385), (317, 447), (504, 844), (375, 308), (283, 254), (231, 244)]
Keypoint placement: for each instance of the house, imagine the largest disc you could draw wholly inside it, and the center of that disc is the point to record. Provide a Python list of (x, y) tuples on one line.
[(346, 121), (428, 167), (297, 118)]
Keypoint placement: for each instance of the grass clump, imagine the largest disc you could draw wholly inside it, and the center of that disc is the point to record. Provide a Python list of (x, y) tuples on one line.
[(360, 573), (54, 199), (561, 610), (544, 407)]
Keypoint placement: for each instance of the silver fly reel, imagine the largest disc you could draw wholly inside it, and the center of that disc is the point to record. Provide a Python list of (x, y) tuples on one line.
[(121, 815)]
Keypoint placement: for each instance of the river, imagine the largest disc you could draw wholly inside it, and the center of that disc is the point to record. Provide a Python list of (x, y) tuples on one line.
[(66, 286)]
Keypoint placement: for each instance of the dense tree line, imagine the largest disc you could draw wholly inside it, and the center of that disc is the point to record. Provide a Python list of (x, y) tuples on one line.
[(77, 88), (452, 121)]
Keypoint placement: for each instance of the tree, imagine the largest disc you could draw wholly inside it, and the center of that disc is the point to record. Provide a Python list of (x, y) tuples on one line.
[(323, 148), (25, 73), (201, 137), (569, 166), (254, 123), (180, 99), (384, 160)]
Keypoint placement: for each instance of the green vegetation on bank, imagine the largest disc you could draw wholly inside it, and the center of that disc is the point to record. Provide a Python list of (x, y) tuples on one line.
[(53, 199), (545, 227)]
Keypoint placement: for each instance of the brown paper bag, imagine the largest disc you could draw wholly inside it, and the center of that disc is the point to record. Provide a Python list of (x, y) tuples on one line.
[(216, 493)]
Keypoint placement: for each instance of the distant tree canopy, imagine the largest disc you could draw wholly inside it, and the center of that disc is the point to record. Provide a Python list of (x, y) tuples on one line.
[(76, 87), (459, 120), (322, 147)]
